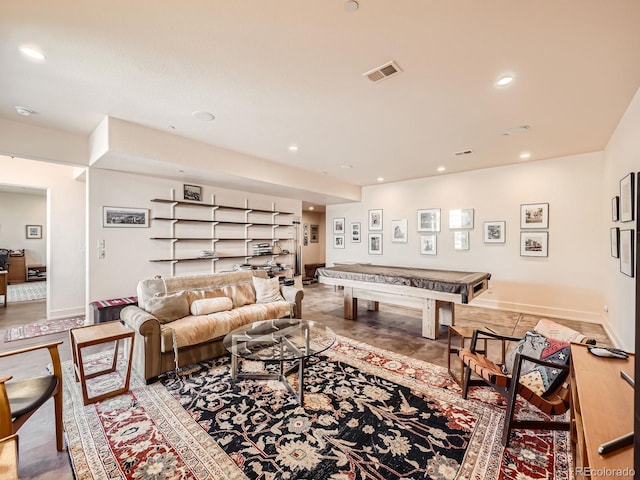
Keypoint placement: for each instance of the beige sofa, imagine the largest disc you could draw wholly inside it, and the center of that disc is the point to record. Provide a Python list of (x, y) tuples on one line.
[(182, 320)]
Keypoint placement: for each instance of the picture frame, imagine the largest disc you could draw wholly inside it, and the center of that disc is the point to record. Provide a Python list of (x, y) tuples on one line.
[(125, 217), (495, 232), (428, 244), (627, 198), (33, 231), (355, 232), (305, 234), (399, 231), (429, 220), (534, 244), (338, 225), (192, 193), (615, 209), (461, 219), (375, 244), (615, 242), (461, 240), (534, 215), (314, 236), (338, 241), (375, 219), (626, 252)]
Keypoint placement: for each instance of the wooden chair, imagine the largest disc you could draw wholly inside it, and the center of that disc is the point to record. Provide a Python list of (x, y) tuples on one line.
[(19, 399), (553, 403)]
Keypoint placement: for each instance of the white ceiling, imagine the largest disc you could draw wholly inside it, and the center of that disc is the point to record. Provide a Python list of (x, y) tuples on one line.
[(276, 73)]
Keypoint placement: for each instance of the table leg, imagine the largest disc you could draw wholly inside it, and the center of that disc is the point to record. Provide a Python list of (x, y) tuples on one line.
[(430, 324), (350, 304)]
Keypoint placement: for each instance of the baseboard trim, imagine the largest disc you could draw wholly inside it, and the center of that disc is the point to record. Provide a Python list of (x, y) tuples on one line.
[(66, 313), (552, 312)]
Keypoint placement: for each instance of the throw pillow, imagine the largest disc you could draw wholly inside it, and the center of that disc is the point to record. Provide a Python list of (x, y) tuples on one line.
[(194, 295), (559, 332), (211, 305), (243, 294), (267, 290), (169, 307), (538, 378)]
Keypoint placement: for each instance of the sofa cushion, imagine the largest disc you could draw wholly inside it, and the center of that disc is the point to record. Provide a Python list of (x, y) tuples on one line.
[(169, 307), (267, 290), (205, 306), (200, 294), (242, 294)]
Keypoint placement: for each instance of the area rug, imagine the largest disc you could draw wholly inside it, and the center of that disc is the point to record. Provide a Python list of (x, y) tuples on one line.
[(368, 413), (43, 328), (24, 292)]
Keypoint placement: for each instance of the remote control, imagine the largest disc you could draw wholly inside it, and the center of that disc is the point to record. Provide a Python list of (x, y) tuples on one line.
[(608, 352)]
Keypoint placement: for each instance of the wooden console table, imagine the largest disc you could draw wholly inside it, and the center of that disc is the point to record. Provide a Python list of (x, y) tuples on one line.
[(4, 276), (601, 410)]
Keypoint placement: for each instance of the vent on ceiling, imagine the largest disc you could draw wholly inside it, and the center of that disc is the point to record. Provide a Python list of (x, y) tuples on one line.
[(463, 152), (387, 70)]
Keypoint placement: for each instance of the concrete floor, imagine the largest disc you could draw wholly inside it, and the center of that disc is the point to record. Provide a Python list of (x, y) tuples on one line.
[(393, 328)]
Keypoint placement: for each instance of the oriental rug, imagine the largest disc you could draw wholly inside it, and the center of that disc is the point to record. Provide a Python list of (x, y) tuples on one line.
[(24, 292), (368, 413), (43, 328)]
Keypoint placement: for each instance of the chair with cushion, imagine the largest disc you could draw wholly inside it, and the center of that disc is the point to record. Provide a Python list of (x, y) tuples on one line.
[(19, 399), (536, 369)]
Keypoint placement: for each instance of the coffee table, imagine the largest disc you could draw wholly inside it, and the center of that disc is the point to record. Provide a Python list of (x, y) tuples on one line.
[(278, 341)]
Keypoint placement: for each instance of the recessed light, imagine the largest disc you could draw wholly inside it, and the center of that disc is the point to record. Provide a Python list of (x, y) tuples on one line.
[(311, 207), (33, 53), (293, 148), (24, 111), (203, 116), (351, 6), (180, 171), (504, 81), (346, 166), (525, 155), (172, 127), (381, 179), (441, 169)]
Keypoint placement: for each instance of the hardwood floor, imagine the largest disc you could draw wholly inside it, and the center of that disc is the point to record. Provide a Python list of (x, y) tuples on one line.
[(392, 328)]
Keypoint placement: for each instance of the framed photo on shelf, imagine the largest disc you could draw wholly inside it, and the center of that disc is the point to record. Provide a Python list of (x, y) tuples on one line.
[(125, 217), (428, 244), (355, 232), (615, 208), (615, 242), (429, 220), (461, 219), (626, 198), (534, 215), (399, 231), (338, 241), (534, 244), (375, 219), (193, 193), (626, 252), (495, 232), (313, 238), (34, 231), (375, 244), (461, 240), (338, 225)]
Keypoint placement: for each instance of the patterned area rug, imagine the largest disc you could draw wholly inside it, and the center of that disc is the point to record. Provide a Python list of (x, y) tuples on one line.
[(24, 292), (43, 328), (368, 413)]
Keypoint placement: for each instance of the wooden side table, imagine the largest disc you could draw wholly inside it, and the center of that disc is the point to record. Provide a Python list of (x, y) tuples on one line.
[(4, 277), (9, 457), (455, 342), (82, 337)]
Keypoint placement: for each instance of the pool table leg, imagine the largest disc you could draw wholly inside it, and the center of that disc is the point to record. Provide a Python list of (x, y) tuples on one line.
[(350, 304)]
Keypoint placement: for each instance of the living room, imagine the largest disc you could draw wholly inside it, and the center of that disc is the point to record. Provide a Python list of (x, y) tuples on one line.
[(127, 163)]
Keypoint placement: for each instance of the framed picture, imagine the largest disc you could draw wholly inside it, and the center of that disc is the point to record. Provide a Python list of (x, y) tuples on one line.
[(192, 192), (461, 240), (355, 232), (461, 218), (314, 234), (399, 230), (375, 244), (338, 225), (125, 217), (429, 220), (34, 231), (615, 242), (615, 208), (305, 234), (626, 198), (375, 219), (338, 241), (495, 232), (428, 244), (626, 252), (534, 215), (534, 244)]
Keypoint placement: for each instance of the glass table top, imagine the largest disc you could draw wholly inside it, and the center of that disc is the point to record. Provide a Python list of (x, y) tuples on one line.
[(283, 339)]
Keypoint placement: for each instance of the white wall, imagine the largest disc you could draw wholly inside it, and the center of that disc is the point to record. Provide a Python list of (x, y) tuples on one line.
[(17, 210), (622, 156), (569, 283), (64, 229), (314, 252), (128, 250)]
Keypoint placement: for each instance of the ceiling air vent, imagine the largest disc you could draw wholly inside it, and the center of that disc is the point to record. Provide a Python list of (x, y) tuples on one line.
[(387, 70), (463, 152)]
